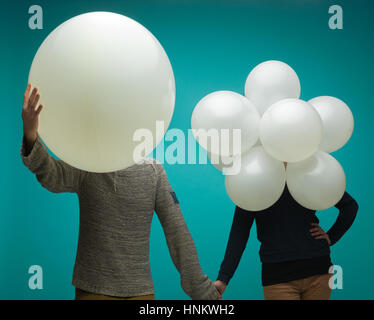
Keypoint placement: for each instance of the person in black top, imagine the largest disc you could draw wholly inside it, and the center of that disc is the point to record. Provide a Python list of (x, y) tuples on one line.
[(295, 251)]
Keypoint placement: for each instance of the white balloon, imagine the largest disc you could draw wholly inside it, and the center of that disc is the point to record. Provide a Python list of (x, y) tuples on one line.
[(291, 130), (337, 120), (101, 77), (225, 110), (260, 182), (316, 183), (269, 82)]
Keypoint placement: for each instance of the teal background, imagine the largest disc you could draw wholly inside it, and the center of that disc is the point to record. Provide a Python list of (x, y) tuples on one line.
[(212, 45)]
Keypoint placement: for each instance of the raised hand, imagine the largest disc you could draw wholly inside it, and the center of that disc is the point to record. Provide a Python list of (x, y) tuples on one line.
[(30, 114)]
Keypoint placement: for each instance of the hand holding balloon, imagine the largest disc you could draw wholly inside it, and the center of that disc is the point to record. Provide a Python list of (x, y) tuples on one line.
[(30, 115)]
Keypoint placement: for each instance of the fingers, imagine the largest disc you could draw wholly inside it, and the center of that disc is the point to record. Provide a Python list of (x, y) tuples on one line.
[(316, 231), (32, 96), (315, 234), (220, 286), (220, 290), (321, 237), (33, 102), (39, 109), (26, 96), (316, 228), (313, 230), (219, 294)]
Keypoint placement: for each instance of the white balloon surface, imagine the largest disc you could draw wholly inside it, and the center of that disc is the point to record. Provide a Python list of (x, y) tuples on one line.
[(291, 130), (269, 82), (101, 77), (316, 183), (337, 122), (225, 110), (260, 182)]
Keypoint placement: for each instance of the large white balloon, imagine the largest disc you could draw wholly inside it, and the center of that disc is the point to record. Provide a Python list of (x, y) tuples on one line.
[(269, 82), (225, 110), (337, 122), (101, 77), (316, 183), (260, 182), (291, 130)]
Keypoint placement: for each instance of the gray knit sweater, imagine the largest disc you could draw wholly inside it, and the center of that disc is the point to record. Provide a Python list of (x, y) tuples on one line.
[(116, 211)]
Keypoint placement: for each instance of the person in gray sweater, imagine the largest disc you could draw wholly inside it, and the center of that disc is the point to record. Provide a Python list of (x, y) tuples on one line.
[(116, 211)]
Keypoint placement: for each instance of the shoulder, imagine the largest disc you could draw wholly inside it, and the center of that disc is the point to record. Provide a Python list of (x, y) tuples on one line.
[(150, 163)]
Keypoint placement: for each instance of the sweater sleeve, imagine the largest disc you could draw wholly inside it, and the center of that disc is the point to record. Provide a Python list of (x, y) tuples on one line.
[(239, 234), (181, 246), (54, 175), (348, 208)]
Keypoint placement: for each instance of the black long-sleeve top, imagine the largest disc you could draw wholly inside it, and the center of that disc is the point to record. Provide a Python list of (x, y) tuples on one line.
[(288, 251)]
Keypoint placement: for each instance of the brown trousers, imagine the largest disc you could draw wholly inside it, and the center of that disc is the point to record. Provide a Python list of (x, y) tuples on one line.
[(84, 295), (311, 288)]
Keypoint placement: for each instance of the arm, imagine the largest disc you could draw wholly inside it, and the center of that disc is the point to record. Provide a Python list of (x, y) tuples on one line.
[(237, 242), (181, 246), (348, 208), (54, 175)]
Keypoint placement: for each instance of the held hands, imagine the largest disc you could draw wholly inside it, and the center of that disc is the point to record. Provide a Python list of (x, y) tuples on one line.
[(30, 113), (220, 286), (318, 233)]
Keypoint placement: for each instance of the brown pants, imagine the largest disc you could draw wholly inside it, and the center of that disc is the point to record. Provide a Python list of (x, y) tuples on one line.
[(311, 288), (84, 295)]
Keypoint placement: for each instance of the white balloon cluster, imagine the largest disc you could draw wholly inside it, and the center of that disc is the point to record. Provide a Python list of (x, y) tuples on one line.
[(276, 128)]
